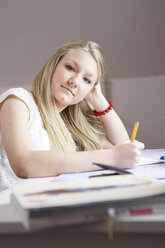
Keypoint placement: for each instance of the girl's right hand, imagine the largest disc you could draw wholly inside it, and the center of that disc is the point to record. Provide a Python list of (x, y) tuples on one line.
[(127, 155)]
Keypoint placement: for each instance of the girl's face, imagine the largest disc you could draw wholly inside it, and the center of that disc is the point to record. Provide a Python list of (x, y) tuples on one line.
[(74, 77)]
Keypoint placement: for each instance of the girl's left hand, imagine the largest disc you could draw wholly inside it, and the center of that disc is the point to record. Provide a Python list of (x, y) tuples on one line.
[(95, 94)]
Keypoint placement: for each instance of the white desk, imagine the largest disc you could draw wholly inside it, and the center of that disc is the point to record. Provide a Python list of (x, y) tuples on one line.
[(134, 232)]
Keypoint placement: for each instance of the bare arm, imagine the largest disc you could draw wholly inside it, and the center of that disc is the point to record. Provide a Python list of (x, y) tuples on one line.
[(26, 162), (115, 130)]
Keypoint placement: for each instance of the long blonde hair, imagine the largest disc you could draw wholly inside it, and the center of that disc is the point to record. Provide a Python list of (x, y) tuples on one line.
[(75, 128)]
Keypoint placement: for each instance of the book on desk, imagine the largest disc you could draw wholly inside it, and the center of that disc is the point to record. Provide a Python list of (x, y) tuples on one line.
[(47, 203)]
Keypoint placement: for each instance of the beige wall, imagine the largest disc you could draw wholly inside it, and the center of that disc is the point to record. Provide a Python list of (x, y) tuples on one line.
[(131, 33), (143, 100)]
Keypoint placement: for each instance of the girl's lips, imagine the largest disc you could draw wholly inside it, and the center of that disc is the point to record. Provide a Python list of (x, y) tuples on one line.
[(67, 89)]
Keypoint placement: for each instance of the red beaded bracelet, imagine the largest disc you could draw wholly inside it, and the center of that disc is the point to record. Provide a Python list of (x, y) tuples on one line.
[(105, 111)]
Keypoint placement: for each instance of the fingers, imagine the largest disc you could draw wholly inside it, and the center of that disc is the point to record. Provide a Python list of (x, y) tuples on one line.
[(136, 152), (139, 145), (128, 155)]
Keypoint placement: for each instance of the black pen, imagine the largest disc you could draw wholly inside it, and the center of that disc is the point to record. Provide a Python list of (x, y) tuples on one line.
[(109, 167)]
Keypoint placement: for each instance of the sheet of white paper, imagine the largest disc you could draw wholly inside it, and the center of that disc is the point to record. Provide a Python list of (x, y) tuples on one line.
[(152, 156), (77, 176), (153, 153), (146, 161), (154, 169)]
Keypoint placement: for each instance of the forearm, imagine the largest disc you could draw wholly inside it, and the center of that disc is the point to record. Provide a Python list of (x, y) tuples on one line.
[(53, 163), (114, 128)]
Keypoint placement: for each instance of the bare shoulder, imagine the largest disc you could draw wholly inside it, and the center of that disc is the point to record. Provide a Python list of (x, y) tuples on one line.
[(14, 126), (13, 107)]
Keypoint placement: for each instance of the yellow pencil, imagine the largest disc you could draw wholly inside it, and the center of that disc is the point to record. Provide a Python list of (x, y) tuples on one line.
[(134, 131)]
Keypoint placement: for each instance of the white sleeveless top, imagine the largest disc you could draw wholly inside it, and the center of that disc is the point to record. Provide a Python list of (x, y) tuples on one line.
[(38, 134)]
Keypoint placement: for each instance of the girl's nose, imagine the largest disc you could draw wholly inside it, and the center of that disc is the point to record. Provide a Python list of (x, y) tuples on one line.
[(74, 81)]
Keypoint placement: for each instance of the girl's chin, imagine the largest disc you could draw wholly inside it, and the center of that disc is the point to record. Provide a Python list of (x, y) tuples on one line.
[(63, 102)]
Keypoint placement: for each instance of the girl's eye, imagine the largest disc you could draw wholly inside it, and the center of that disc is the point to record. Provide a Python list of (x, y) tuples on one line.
[(70, 68), (87, 80)]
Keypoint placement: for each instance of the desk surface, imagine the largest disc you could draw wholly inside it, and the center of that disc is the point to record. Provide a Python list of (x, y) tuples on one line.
[(10, 220)]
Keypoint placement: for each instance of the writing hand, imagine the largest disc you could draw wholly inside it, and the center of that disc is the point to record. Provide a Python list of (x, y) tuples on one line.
[(127, 155)]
